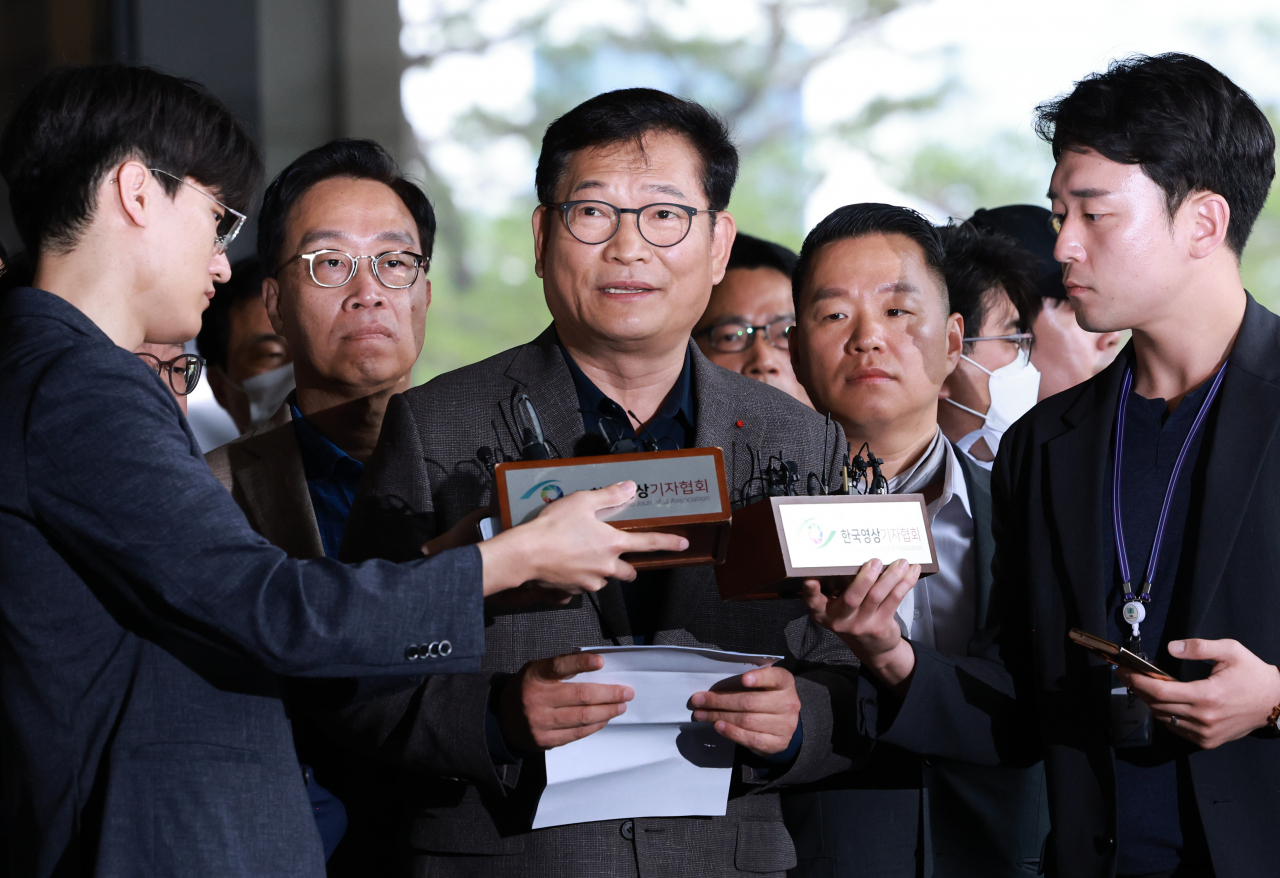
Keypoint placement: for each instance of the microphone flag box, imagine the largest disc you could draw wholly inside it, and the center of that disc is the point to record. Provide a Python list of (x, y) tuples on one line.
[(677, 492), (778, 542)]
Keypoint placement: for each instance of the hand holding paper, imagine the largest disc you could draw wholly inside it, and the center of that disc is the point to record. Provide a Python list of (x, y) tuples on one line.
[(762, 716), (653, 760), (539, 710), (863, 617)]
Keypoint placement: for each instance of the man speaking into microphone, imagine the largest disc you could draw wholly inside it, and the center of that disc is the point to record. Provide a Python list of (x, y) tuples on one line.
[(629, 238)]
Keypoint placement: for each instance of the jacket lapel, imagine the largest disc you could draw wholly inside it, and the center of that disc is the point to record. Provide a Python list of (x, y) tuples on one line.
[(1243, 428), (539, 370), (268, 471), (1077, 462), (977, 482)]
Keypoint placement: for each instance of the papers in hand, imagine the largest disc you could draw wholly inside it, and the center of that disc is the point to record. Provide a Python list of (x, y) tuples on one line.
[(653, 761)]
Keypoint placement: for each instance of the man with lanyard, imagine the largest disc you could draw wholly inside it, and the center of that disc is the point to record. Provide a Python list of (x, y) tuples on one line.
[(1137, 505)]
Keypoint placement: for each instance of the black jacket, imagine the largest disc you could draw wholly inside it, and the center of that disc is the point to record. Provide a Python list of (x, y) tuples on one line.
[(1025, 692), (902, 814)]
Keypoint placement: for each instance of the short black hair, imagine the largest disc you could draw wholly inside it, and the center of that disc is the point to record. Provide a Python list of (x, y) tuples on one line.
[(214, 338), (1028, 225), (978, 261), (870, 218), (80, 122), (628, 115), (358, 159), (1190, 128), (752, 252)]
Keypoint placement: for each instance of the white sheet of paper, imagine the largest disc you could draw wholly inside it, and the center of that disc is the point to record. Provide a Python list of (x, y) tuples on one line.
[(653, 761)]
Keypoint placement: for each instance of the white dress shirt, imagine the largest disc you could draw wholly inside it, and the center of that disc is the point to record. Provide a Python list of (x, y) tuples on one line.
[(939, 611)]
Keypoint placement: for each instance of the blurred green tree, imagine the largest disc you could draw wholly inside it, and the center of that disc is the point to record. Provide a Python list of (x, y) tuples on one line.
[(486, 296)]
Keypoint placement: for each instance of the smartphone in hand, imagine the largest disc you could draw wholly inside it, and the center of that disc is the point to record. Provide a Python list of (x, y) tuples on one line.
[(1117, 655)]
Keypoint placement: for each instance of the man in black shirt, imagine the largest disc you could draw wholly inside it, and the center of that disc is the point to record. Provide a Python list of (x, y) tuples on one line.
[(1139, 506)]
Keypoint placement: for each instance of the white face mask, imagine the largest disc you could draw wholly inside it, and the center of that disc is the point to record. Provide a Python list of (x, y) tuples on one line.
[(1013, 389), (267, 392)]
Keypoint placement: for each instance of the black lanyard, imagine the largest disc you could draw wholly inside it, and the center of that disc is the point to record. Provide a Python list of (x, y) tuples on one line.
[(1134, 611)]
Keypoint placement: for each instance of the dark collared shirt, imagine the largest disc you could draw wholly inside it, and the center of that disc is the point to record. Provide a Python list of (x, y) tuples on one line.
[(671, 428), (332, 477), (1158, 821)]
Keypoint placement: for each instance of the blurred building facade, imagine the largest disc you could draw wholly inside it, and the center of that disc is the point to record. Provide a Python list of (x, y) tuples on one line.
[(298, 72)]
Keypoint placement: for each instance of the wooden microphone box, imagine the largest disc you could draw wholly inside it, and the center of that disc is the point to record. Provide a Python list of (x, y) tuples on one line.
[(778, 542), (677, 492)]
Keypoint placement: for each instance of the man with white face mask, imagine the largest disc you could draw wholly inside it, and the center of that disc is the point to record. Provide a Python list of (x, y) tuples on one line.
[(991, 284), (250, 369)]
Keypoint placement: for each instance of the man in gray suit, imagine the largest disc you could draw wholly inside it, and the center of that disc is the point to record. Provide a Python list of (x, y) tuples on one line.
[(143, 622), (356, 333), (876, 336), (629, 239)]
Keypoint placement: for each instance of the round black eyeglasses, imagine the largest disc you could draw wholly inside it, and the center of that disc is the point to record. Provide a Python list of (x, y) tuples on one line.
[(183, 371), (662, 225)]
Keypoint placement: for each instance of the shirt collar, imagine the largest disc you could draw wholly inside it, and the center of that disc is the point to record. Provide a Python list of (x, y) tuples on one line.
[(954, 486), (677, 404), (320, 457)]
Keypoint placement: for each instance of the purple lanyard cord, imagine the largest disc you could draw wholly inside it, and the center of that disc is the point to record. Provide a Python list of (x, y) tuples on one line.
[(1168, 494)]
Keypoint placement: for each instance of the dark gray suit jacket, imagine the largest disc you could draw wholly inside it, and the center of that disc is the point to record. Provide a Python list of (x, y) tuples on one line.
[(1026, 692), (143, 623), (904, 815), (472, 816)]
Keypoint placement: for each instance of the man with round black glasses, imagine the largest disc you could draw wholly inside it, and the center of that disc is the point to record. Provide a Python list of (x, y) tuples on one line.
[(179, 370), (630, 236), (750, 313)]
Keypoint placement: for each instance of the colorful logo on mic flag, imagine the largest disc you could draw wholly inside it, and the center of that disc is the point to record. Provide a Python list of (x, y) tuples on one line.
[(814, 532), (549, 491)]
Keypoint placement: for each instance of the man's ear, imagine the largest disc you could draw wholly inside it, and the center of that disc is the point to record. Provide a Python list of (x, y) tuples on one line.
[(271, 298), (1209, 215), (723, 234), (133, 188), (540, 234), (955, 341)]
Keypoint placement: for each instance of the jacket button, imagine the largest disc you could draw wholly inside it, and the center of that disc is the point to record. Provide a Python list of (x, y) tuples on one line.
[(411, 652), (445, 648), (628, 829)]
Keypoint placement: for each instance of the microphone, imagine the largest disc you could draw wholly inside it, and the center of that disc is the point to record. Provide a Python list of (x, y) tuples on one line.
[(531, 448)]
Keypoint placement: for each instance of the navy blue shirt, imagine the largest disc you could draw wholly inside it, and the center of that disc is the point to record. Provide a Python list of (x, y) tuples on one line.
[(1158, 822), (332, 478), (671, 428)]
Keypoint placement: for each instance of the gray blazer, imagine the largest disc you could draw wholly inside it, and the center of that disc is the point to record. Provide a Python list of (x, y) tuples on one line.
[(470, 816), (143, 625)]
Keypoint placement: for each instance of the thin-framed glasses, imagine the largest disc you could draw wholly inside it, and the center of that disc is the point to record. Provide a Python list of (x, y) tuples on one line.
[(662, 225), (183, 371), (733, 338), (395, 269), (230, 221), (1023, 340)]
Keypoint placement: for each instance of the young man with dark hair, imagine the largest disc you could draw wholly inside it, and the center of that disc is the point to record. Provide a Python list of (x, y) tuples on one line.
[(145, 622), (875, 339), (630, 237), (249, 365), (990, 280), (749, 315), (1138, 506), (1064, 353)]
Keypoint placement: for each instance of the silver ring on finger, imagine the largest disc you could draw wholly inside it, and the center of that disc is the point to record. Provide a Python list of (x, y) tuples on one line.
[(1173, 719)]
